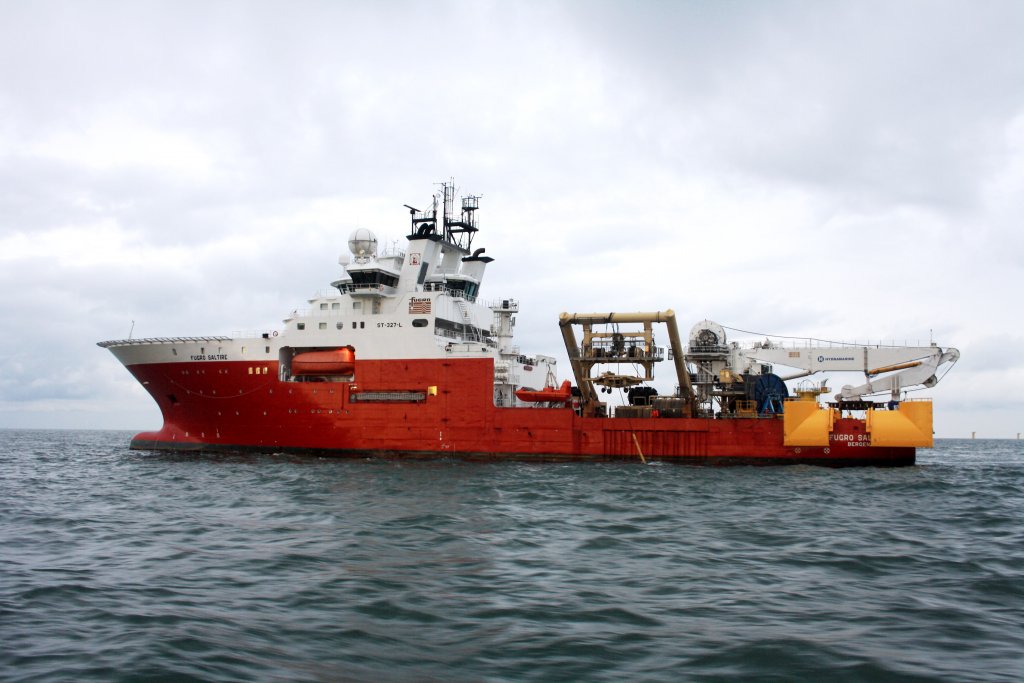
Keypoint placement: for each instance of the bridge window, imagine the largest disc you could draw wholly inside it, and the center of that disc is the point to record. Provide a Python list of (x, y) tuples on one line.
[(373, 277)]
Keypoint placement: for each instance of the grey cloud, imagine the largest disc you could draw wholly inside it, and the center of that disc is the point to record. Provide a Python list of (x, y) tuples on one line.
[(880, 102)]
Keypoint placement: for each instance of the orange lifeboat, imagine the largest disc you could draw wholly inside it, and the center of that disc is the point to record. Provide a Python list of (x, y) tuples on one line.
[(563, 394), (332, 362)]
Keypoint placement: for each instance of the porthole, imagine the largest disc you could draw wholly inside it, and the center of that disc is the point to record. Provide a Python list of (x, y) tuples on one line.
[(420, 322)]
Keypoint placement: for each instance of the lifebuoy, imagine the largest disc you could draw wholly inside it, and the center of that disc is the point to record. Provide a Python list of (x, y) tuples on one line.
[(275, 333)]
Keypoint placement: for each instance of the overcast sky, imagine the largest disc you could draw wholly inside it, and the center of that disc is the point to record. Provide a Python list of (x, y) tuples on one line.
[(844, 170)]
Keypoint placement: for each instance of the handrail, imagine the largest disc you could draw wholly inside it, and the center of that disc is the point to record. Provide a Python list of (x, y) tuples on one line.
[(158, 340), (805, 343)]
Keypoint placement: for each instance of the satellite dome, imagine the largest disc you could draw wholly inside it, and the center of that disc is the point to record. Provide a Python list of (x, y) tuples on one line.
[(362, 243)]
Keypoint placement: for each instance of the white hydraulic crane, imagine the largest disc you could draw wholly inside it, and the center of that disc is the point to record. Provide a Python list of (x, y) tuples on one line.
[(889, 369)]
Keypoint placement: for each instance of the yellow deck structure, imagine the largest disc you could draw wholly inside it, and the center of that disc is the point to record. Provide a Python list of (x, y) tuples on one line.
[(807, 423)]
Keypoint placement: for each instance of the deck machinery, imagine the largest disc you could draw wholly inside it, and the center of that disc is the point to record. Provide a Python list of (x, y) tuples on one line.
[(717, 378)]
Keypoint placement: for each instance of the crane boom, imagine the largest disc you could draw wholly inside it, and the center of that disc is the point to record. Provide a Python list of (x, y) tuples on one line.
[(903, 367), (727, 372)]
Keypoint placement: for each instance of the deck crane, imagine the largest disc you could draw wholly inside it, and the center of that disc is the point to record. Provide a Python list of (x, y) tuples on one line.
[(722, 366)]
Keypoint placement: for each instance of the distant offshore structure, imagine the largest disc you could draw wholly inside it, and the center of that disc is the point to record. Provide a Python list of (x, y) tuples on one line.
[(404, 359)]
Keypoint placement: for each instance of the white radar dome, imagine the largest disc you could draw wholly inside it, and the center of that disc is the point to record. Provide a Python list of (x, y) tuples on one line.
[(362, 243)]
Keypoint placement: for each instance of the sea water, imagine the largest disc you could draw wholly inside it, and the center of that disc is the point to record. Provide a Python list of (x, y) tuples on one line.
[(121, 565)]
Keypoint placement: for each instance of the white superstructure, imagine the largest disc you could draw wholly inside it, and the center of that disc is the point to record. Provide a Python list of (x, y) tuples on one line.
[(421, 301)]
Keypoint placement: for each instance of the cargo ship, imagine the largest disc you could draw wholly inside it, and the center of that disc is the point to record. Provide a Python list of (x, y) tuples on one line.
[(403, 358)]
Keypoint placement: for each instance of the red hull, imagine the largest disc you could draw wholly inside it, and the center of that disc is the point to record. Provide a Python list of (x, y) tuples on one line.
[(227, 406)]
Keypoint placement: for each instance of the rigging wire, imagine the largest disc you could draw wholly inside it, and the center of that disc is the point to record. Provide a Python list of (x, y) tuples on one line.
[(814, 339)]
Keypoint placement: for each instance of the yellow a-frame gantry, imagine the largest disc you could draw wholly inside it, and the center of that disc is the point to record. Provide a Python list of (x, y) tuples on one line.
[(635, 347)]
